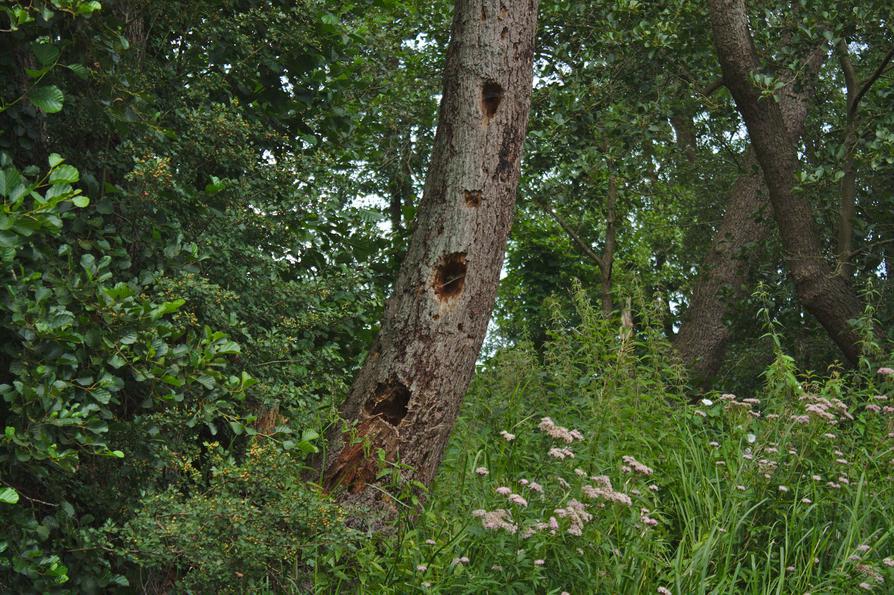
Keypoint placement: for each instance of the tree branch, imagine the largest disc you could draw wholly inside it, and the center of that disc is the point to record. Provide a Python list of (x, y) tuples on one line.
[(584, 247), (871, 80)]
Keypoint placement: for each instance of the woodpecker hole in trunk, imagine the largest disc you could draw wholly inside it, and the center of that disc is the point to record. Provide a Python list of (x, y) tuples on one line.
[(473, 197), (450, 276), (491, 95), (390, 402)]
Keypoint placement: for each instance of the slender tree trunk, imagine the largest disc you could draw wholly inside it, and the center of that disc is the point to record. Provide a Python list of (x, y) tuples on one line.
[(400, 190), (825, 294), (684, 130), (605, 261), (724, 277), (848, 203), (847, 207), (608, 253), (407, 395)]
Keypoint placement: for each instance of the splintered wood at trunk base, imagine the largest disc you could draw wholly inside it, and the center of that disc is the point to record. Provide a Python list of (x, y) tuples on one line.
[(406, 397)]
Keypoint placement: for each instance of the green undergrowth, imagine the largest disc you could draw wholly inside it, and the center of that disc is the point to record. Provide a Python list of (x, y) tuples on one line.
[(590, 470)]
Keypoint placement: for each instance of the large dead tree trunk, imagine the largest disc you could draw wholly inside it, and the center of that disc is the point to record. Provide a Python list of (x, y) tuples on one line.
[(823, 292), (407, 395), (724, 277)]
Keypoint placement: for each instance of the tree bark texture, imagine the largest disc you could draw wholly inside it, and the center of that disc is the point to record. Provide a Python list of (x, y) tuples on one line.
[(724, 277), (408, 393), (823, 292)]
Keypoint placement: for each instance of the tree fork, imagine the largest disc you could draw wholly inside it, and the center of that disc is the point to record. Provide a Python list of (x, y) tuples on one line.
[(407, 395)]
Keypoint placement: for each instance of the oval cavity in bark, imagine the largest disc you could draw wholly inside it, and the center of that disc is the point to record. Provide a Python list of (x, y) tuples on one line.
[(491, 95), (450, 276), (390, 402), (473, 197)]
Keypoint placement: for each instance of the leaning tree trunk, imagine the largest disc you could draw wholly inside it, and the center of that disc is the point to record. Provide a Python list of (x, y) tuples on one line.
[(407, 395), (724, 276), (823, 292)]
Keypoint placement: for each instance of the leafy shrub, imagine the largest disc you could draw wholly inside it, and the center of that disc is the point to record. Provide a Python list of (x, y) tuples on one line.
[(96, 370), (255, 524)]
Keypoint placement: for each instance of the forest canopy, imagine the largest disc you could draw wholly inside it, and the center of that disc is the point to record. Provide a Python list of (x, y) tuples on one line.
[(432, 296)]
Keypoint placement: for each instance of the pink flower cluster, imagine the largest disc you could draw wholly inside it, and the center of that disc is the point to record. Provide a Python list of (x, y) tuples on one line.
[(561, 453), (631, 464), (576, 513), (552, 526), (558, 432), (531, 485), (496, 520), (604, 490), (827, 410), (645, 519)]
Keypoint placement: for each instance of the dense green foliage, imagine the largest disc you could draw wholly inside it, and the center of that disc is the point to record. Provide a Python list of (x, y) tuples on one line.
[(202, 207)]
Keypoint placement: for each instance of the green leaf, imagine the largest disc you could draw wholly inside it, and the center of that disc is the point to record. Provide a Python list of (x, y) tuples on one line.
[(206, 381), (64, 174), (79, 70), (102, 395), (47, 98), (306, 447), (55, 159), (118, 454), (88, 8), (36, 74), (9, 181), (8, 496), (215, 186), (45, 53), (80, 201), (166, 308)]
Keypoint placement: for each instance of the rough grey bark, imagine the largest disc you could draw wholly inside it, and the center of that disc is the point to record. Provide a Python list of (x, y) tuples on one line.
[(407, 395), (823, 292), (724, 276)]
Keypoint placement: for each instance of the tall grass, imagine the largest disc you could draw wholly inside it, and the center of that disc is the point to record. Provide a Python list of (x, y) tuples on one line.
[(784, 491)]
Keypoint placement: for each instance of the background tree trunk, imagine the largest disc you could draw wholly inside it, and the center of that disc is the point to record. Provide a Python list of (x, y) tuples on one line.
[(823, 292), (723, 279), (407, 395)]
